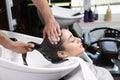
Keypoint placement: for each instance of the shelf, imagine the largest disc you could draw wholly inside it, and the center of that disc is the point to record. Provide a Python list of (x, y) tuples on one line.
[(102, 23)]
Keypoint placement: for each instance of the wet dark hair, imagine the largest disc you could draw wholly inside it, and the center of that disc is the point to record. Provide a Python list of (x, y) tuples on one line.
[(49, 50)]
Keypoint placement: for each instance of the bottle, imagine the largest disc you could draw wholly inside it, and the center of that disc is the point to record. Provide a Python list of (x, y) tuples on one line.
[(95, 14), (90, 15), (108, 14), (86, 16)]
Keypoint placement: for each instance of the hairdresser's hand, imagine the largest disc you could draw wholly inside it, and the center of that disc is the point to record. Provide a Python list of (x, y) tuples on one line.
[(52, 30), (20, 47)]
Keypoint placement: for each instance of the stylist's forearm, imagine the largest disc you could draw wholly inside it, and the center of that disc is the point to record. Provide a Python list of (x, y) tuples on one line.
[(43, 6), (4, 40)]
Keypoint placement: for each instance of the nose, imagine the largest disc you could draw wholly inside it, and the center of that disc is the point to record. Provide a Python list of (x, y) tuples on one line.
[(78, 40)]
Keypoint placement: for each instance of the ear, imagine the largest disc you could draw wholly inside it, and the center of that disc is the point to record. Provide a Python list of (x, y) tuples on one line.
[(62, 54)]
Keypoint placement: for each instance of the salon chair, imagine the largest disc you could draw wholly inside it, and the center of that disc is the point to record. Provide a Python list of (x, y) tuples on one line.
[(107, 45), (103, 50)]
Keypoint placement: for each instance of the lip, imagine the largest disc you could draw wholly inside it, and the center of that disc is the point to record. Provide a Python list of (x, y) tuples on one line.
[(81, 46)]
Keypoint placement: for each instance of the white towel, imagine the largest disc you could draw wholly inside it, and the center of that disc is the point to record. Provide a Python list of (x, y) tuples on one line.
[(85, 57), (86, 71)]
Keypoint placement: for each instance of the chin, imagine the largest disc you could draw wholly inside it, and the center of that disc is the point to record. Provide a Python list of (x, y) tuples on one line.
[(82, 50)]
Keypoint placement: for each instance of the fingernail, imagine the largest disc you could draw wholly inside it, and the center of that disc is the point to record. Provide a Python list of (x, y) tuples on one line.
[(58, 38), (52, 43), (33, 45), (55, 42)]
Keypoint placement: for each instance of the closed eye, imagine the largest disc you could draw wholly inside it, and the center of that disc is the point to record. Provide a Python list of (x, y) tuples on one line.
[(72, 38)]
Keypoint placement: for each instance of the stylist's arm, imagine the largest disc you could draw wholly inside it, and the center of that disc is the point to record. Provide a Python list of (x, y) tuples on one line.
[(17, 46), (52, 28)]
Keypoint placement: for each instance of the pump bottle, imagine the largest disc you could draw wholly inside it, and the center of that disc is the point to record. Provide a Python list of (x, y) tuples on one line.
[(108, 14), (95, 13)]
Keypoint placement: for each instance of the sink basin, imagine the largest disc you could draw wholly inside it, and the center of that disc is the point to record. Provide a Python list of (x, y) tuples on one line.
[(65, 16), (39, 68)]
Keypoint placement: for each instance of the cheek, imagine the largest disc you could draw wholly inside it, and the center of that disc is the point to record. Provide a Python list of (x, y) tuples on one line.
[(78, 50), (74, 49), (81, 50), (70, 47)]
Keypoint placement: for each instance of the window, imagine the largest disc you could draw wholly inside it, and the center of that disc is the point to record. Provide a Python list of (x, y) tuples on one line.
[(93, 2), (76, 3), (101, 5), (104, 2)]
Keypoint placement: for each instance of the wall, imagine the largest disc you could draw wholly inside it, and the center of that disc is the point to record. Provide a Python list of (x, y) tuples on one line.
[(3, 16), (89, 26)]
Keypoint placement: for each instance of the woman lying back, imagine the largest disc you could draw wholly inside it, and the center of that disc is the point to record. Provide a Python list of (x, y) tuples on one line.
[(70, 46)]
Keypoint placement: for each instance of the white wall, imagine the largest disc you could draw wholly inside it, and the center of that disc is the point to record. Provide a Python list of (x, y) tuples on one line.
[(89, 26)]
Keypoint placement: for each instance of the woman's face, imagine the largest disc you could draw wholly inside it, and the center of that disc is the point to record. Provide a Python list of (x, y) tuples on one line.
[(72, 45)]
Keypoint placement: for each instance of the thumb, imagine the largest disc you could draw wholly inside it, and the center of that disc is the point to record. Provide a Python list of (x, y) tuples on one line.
[(44, 35), (31, 45)]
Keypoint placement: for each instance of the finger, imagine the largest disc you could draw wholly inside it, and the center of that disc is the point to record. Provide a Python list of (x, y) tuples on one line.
[(56, 35), (46, 32), (31, 45), (51, 41), (56, 42), (44, 35), (58, 31), (53, 34), (30, 49)]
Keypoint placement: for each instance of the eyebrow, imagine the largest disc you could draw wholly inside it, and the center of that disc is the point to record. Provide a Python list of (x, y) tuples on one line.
[(70, 37)]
